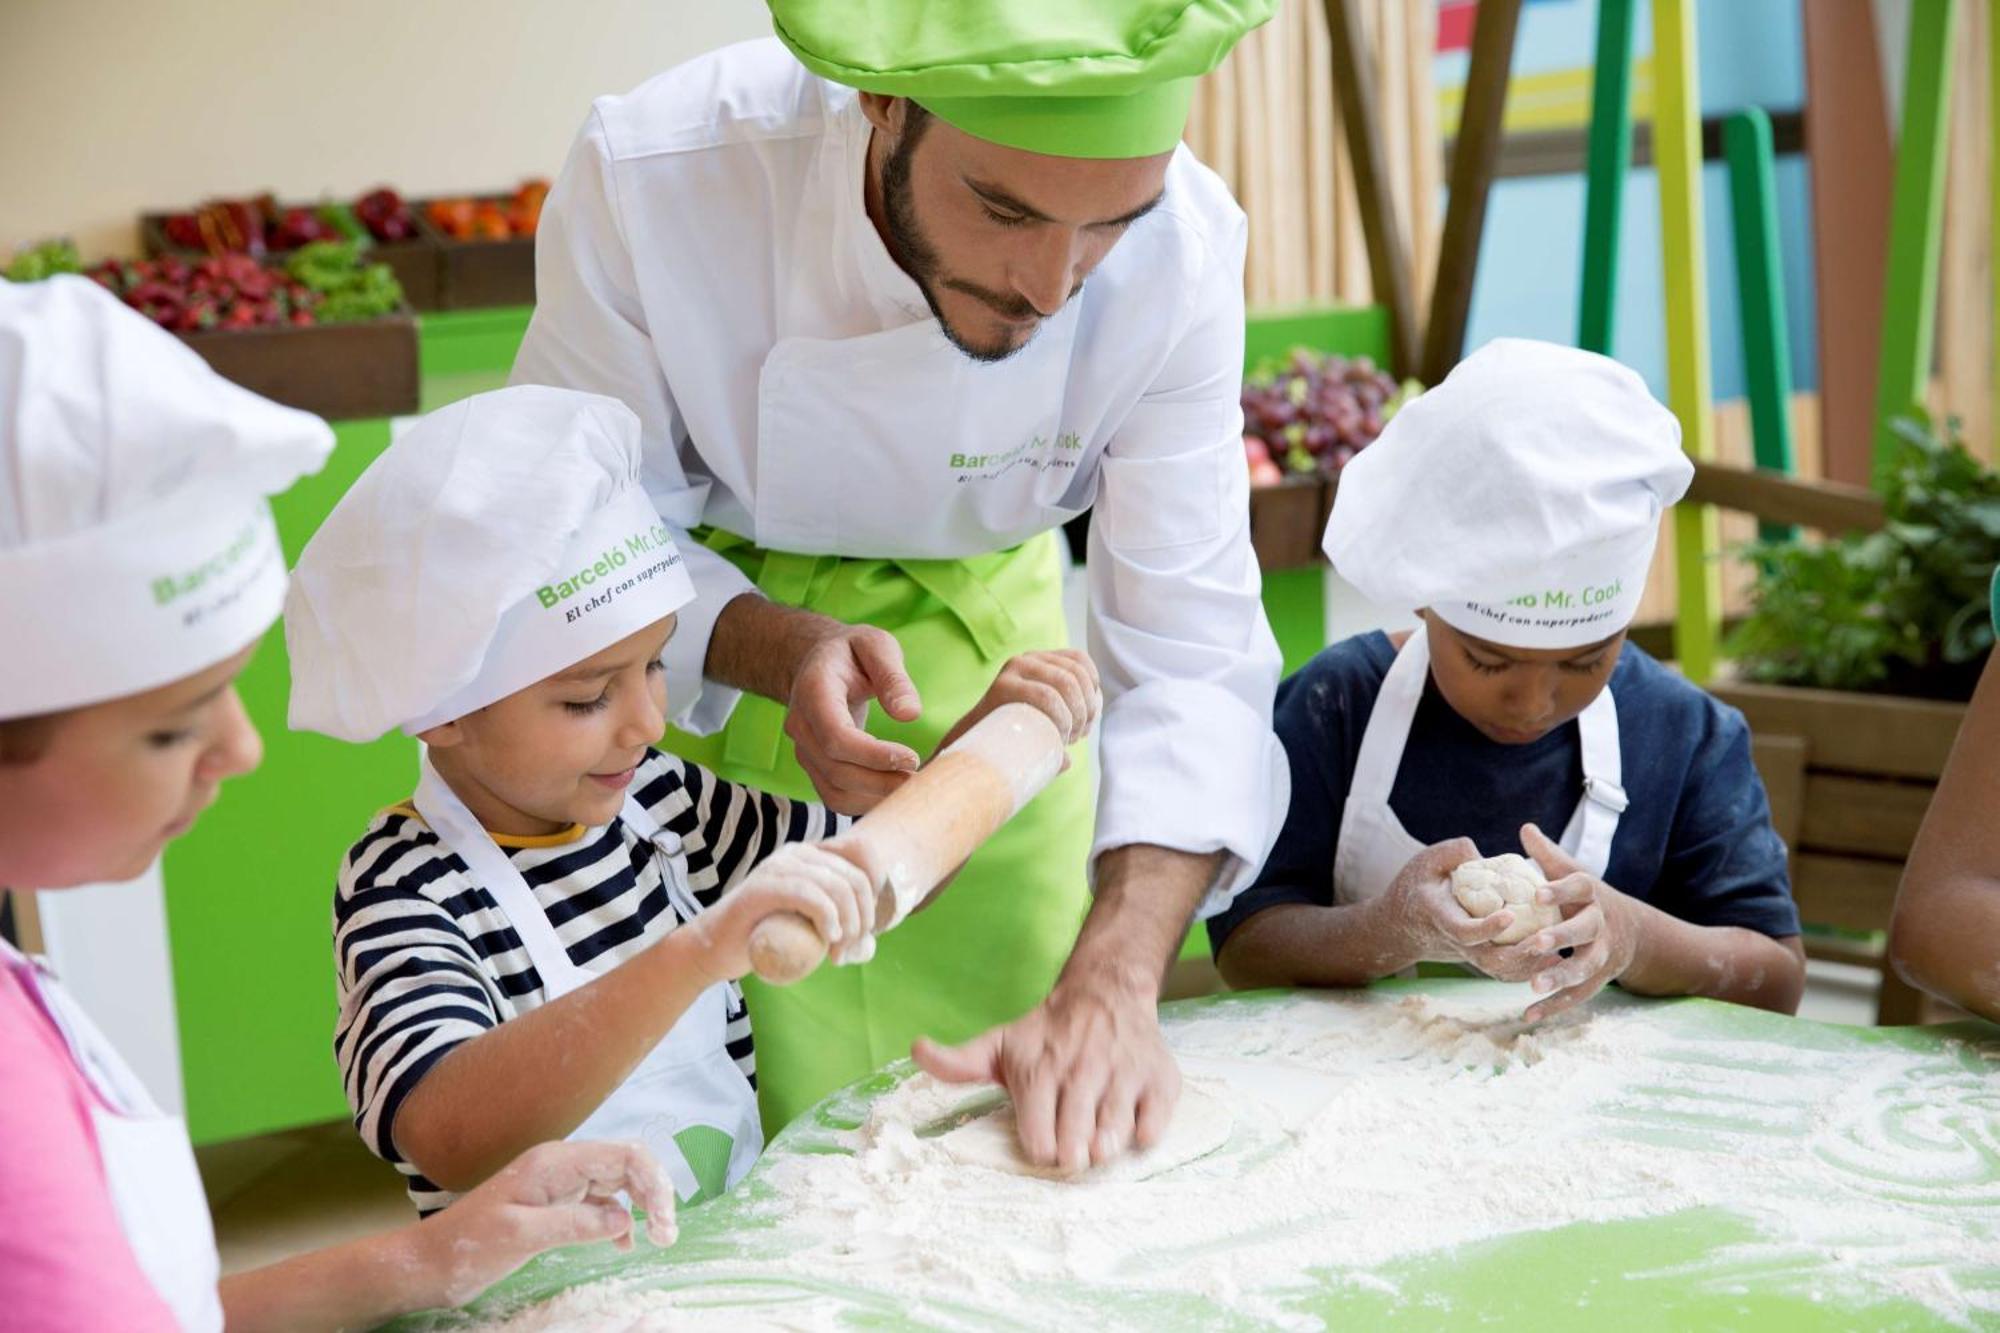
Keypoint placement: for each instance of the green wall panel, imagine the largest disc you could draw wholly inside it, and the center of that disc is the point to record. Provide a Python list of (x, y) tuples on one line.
[(250, 890)]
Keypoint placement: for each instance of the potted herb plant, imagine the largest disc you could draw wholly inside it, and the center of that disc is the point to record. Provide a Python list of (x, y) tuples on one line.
[(1852, 667)]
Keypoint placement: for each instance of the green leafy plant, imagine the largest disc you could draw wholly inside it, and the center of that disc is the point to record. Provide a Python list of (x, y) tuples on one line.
[(1904, 610), (34, 262), (349, 287)]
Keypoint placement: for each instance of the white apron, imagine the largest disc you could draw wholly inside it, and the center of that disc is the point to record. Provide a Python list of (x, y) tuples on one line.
[(975, 456), (687, 1100), (1374, 847), (148, 1164)]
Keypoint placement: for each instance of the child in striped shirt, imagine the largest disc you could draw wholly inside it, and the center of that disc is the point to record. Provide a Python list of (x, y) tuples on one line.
[(544, 941)]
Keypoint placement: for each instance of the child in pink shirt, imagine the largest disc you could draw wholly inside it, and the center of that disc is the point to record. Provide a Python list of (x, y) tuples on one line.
[(63, 1256), (139, 567)]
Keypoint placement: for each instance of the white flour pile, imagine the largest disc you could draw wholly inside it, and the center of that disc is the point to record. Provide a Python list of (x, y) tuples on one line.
[(1370, 1129)]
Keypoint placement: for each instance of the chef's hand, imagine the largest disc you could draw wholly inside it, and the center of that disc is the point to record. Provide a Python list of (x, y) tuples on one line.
[(551, 1195), (1061, 682), (1599, 923), (1423, 912), (1088, 1071), (846, 668), (812, 880)]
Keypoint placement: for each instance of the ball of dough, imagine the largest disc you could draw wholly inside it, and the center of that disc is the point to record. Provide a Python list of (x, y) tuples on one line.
[(1484, 887)]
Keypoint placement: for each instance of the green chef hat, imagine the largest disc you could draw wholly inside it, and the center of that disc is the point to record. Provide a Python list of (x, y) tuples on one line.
[(1074, 78)]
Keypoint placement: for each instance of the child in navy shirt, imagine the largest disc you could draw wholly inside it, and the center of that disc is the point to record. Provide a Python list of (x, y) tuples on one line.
[(1516, 505)]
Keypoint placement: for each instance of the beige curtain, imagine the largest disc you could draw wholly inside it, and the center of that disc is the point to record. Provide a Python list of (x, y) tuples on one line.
[(1267, 123)]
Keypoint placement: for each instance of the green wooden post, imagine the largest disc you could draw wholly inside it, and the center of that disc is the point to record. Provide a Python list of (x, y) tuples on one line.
[(1474, 160), (1604, 173), (1916, 227), (1360, 118), (1677, 154), (1760, 294)]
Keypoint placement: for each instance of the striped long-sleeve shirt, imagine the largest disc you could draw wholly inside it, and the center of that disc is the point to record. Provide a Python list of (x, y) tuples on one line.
[(426, 959)]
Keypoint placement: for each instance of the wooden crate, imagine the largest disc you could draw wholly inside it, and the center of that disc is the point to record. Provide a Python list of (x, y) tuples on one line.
[(1286, 521), (338, 371), (1850, 777), (476, 274), (414, 262)]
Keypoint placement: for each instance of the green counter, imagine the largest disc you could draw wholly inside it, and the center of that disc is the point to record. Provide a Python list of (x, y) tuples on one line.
[(1895, 1130)]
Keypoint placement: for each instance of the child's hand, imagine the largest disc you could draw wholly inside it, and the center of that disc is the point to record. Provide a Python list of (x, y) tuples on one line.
[(813, 880), (1439, 929), (1598, 924), (1062, 683), (554, 1194)]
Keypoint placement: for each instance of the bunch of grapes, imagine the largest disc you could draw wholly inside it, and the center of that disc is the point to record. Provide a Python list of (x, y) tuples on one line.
[(1313, 413), (219, 292)]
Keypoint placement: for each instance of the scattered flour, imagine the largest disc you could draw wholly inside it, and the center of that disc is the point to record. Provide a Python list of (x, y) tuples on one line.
[(1366, 1129), (619, 1307)]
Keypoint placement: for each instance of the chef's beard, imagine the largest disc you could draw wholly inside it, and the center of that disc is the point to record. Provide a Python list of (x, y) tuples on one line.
[(916, 256)]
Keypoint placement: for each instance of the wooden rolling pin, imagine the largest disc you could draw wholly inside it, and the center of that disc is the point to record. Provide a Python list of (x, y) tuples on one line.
[(926, 828)]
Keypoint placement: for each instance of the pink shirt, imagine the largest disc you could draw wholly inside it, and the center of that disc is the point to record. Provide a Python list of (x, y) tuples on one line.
[(65, 1266)]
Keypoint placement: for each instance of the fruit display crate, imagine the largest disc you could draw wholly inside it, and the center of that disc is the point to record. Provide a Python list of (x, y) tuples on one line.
[(477, 274), (1287, 518), (415, 262), (1314, 396), (349, 371)]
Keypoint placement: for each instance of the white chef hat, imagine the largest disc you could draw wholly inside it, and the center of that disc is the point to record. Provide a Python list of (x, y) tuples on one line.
[(136, 542), (495, 543), (1519, 500)]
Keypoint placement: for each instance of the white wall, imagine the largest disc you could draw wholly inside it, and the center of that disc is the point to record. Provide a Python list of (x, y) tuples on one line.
[(108, 943), (110, 107)]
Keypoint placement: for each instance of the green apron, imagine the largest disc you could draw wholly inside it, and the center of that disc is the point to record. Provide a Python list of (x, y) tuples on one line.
[(988, 949)]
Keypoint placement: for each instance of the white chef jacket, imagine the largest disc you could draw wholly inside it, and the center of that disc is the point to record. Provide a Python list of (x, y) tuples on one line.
[(706, 256)]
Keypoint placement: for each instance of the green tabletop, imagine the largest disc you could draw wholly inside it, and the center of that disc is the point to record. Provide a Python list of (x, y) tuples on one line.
[(1808, 1176)]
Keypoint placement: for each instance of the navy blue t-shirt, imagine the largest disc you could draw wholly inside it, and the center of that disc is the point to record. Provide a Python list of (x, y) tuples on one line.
[(1695, 842)]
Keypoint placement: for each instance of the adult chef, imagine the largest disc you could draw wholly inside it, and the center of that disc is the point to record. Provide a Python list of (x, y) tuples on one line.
[(894, 299)]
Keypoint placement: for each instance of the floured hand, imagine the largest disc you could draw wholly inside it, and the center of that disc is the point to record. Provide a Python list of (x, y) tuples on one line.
[(1088, 1070), (1598, 925), (1200, 1124), (812, 880), (552, 1195), (1061, 682)]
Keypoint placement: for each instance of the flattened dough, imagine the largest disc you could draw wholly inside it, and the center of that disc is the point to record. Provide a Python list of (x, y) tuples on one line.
[(1201, 1124)]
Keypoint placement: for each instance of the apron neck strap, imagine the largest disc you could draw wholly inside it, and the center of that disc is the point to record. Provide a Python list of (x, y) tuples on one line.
[(1388, 729), (665, 841), (462, 833), (1595, 821)]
